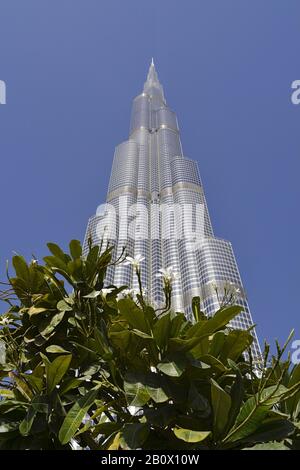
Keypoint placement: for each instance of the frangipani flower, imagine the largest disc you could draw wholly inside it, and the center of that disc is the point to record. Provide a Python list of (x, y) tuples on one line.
[(168, 274), (130, 292), (236, 290), (125, 293), (134, 261), (4, 320), (105, 291)]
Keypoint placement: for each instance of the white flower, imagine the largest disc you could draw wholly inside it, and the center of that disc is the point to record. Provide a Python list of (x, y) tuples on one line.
[(135, 262), (4, 321), (103, 292), (131, 292), (235, 290), (168, 274), (125, 293), (106, 291)]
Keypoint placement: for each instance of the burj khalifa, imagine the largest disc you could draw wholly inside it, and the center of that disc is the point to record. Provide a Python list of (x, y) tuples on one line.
[(156, 208)]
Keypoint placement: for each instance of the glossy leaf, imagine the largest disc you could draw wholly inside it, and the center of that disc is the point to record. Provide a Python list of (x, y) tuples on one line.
[(133, 435), (221, 403), (172, 368), (188, 435), (161, 330), (134, 315), (75, 416), (27, 422), (54, 348), (56, 370), (75, 249)]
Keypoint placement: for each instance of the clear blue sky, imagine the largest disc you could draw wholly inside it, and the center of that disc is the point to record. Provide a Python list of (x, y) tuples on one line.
[(72, 68)]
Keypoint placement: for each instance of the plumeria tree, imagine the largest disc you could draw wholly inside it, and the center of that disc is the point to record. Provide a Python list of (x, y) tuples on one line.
[(86, 365)]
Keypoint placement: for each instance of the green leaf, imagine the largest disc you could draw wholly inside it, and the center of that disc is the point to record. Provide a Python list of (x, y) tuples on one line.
[(75, 416), (57, 252), (221, 403), (211, 361), (217, 343), (220, 319), (293, 403), (268, 446), (161, 331), (272, 430), (178, 323), (57, 265), (134, 315), (54, 348), (21, 386), (56, 370), (133, 435), (157, 393), (93, 255), (198, 315), (161, 416), (115, 443), (141, 334), (136, 392), (41, 403), (36, 310), (36, 382), (236, 342), (6, 393), (140, 388), (69, 384), (26, 424), (253, 412), (75, 249), (198, 402), (184, 345), (237, 393), (172, 368), (47, 327), (64, 306), (188, 435), (102, 345), (21, 268)]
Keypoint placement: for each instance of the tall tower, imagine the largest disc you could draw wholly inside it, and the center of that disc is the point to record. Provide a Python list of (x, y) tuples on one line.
[(156, 208)]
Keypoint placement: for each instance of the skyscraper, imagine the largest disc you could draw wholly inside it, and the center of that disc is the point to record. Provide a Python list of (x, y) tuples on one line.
[(156, 208)]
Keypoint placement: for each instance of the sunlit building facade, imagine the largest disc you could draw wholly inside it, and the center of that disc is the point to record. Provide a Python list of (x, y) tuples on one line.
[(156, 208)]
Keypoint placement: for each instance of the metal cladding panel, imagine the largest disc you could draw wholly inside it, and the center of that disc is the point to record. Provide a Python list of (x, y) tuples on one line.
[(140, 115), (184, 170), (166, 117), (125, 165)]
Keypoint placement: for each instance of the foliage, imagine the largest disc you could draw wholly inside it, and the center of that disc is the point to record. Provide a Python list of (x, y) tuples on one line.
[(88, 366)]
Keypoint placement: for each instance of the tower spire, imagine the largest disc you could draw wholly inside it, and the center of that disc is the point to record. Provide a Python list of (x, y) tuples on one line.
[(152, 74), (152, 83)]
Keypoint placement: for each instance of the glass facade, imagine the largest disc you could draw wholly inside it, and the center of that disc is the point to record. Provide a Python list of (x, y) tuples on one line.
[(160, 212)]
